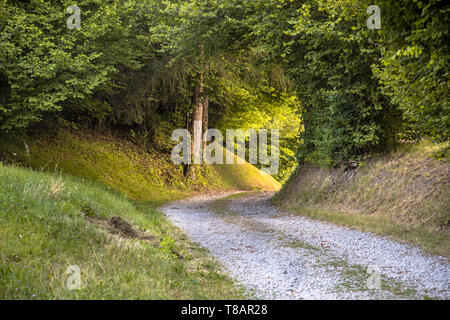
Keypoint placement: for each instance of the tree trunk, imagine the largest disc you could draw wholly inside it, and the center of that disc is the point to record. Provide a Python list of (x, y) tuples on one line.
[(205, 117), (187, 166), (197, 123)]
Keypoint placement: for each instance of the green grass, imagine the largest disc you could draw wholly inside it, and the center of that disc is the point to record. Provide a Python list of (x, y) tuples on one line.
[(44, 231), (130, 169), (299, 244), (355, 279), (245, 176)]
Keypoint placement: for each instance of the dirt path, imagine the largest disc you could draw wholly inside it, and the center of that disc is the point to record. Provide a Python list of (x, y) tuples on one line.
[(276, 255)]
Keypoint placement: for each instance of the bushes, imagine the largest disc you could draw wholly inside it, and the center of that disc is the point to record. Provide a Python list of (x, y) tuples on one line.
[(414, 64)]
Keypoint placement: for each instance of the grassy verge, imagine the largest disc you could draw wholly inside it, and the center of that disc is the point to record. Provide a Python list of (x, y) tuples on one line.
[(44, 231)]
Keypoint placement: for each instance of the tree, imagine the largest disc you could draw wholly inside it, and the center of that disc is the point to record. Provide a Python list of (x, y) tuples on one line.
[(413, 67)]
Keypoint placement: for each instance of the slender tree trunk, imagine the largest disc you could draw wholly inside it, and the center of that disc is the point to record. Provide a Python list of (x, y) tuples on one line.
[(196, 127), (205, 100), (197, 123), (205, 117), (187, 166)]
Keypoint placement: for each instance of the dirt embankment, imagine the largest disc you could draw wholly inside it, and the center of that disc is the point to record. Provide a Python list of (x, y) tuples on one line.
[(408, 186)]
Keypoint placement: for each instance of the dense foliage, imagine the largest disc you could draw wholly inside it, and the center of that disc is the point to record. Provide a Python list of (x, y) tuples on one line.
[(47, 64), (309, 64), (345, 114), (414, 64), (362, 90)]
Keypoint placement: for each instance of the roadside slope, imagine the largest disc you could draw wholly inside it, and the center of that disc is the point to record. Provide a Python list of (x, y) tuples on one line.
[(405, 195), (139, 173)]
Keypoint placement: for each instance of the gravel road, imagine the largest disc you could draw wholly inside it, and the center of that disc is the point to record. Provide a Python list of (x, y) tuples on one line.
[(276, 255)]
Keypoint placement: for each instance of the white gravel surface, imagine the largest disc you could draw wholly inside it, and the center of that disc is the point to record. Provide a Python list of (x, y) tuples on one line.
[(276, 255)]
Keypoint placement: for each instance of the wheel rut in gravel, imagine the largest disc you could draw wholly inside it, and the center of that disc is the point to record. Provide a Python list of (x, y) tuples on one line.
[(276, 255)]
